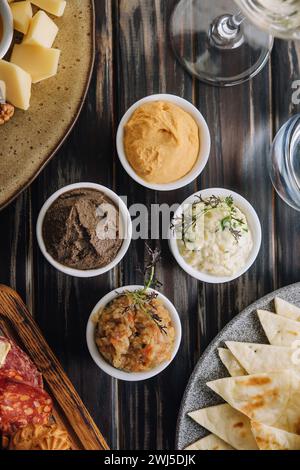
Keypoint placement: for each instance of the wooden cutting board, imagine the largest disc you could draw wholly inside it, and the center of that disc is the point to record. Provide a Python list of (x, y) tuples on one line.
[(69, 411)]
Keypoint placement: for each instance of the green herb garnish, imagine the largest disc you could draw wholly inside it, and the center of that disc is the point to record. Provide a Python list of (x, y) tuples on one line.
[(231, 222), (142, 299)]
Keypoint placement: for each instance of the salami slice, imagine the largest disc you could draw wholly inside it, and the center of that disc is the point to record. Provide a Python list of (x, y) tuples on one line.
[(18, 366), (21, 404)]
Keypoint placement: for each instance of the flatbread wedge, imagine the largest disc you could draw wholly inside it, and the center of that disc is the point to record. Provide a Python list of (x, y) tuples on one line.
[(5, 347), (279, 330), (228, 424), (269, 438), (258, 358), (210, 442), (272, 398), (285, 309), (231, 363)]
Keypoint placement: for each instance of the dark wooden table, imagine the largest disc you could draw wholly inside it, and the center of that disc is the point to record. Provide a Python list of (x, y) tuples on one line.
[(134, 59)]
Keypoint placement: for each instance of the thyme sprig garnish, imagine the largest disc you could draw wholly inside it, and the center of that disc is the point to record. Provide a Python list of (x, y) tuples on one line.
[(231, 222), (143, 299), (234, 224), (150, 279), (212, 202)]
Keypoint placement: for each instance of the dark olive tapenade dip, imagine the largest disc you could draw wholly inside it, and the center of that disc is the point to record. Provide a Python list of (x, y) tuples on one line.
[(81, 230)]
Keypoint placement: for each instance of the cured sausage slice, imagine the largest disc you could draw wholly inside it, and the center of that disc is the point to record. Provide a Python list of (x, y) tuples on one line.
[(18, 366), (21, 404)]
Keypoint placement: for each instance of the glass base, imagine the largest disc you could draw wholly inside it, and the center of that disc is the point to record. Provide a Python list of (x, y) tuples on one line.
[(191, 28)]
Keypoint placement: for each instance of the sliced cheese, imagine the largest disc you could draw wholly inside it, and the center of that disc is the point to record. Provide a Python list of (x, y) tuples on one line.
[(5, 347), (22, 14), (2, 91), (40, 62), (42, 31), (55, 7), (18, 84)]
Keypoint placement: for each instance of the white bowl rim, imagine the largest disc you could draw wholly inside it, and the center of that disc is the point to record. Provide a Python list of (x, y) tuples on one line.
[(119, 374), (127, 230), (252, 219), (8, 29), (204, 151)]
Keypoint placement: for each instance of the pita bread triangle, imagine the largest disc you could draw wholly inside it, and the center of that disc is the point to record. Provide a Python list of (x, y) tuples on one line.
[(285, 309), (269, 438), (279, 330), (231, 363), (210, 442), (272, 398), (258, 358), (228, 424)]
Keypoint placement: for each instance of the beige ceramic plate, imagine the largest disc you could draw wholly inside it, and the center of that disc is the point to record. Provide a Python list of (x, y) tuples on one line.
[(31, 138)]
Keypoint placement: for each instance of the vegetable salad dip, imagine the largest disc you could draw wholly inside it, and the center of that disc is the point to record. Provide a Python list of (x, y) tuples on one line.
[(213, 236), (134, 332)]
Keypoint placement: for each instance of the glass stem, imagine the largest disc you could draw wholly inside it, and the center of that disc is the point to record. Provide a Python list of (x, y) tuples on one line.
[(226, 31), (235, 21)]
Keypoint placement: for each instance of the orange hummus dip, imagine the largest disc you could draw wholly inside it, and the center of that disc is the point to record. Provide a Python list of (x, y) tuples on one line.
[(161, 142)]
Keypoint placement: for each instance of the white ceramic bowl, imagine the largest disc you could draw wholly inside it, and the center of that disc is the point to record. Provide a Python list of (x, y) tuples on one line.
[(204, 146), (126, 230), (104, 365), (254, 225), (8, 29)]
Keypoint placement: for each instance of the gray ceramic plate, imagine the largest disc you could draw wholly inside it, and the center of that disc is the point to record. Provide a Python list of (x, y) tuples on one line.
[(245, 327)]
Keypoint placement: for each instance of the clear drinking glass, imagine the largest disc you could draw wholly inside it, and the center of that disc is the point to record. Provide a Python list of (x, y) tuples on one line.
[(218, 44), (280, 17), (284, 162)]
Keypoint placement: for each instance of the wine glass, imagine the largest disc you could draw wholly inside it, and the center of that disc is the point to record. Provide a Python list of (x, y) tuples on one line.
[(217, 43), (280, 17), (284, 162)]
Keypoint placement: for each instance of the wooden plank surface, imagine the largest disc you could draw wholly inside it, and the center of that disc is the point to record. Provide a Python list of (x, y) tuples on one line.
[(134, 59), (17, 323)]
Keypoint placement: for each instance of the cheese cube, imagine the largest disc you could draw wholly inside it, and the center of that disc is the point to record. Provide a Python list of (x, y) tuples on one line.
[(22, 14), (42, 31), (40, 62), (55, 7), (2, 91), (18, 84)]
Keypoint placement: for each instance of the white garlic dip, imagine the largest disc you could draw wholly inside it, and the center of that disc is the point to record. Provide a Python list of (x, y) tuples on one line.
[(213, 236)]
